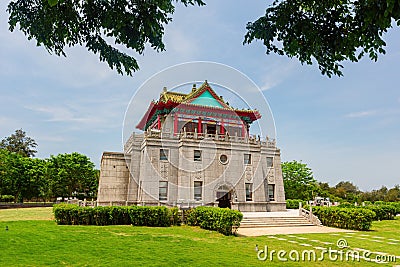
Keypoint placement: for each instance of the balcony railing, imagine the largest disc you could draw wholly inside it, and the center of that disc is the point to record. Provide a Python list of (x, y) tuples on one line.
[(252, 139)]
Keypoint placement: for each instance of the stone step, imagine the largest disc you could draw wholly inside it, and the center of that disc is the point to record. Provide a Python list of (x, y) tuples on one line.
[(258, 222), (273, 219), (274, 225)]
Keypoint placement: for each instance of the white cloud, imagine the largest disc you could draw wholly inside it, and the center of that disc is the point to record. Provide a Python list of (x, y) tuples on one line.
[(51, 138), (361, 114), (94, 115)]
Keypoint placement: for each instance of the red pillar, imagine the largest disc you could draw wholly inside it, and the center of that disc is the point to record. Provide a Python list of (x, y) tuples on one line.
[(175, 124), (222, 130), (158, 122), (243, 130), (199, 130)]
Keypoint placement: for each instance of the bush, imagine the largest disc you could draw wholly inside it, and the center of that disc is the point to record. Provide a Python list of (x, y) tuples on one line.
[(6, 198), (216, 219), (150, 216), (382, 212), (69, 214), (175, 216), (294, 203), (346, 218), (346, 205), (396, 205)]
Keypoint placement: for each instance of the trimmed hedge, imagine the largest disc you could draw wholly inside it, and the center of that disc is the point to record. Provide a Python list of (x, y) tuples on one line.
[(217, 219), (69, 214), (346, 218), (346, 205), (294, 203), (396, 205), (382, 212)]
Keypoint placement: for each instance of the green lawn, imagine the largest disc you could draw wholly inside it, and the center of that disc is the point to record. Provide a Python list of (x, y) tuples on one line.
[(26, 214), (40, 242)]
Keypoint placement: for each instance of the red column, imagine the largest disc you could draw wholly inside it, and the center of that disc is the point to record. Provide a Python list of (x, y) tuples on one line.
[(158, 122), (175, 124), (243, 130), (222, 130), (199, 130)]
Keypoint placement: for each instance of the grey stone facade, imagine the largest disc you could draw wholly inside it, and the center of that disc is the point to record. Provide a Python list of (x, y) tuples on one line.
[(118, 186)]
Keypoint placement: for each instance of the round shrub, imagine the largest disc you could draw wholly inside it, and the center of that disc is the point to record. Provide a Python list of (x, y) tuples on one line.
[(216, 219)]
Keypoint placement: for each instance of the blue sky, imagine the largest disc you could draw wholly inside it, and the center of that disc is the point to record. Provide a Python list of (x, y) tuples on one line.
[(344, 128)]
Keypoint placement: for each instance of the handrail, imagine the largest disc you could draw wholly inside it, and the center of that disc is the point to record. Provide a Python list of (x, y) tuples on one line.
[(309, 216)]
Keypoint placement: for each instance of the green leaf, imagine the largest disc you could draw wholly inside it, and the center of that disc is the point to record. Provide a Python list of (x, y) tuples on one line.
[(52, 2)]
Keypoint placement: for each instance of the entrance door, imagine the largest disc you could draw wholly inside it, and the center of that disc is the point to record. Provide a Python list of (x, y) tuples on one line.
[(224, 199)]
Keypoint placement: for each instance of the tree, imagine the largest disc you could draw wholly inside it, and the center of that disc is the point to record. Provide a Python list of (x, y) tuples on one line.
[(323, 189), (328, 31), (19, 143), (298, 180), (72, 173), (4, 179), (347, 190), (56, 24), (36, 173), (13, 176), (393, 194), (382, 194), (32, 178)]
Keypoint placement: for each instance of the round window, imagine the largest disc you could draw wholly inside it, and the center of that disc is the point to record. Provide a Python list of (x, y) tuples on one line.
[(223, 159)]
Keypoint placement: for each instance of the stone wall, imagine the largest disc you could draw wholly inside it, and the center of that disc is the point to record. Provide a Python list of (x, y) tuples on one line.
[(114, 179)]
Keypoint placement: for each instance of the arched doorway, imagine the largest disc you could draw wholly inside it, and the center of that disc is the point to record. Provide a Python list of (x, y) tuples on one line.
[(224, 194)]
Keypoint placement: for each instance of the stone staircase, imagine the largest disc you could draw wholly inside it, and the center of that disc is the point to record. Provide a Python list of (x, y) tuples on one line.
[(259, 222)]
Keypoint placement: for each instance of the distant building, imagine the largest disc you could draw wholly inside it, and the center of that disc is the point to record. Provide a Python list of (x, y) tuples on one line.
[(194, 150)]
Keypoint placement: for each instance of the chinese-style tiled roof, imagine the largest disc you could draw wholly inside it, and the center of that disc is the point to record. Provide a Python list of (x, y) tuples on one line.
[(173, 96), (205, 96), (202, 101)]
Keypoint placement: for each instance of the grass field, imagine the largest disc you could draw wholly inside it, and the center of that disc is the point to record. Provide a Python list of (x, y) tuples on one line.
[(26, 214), (33, 239)]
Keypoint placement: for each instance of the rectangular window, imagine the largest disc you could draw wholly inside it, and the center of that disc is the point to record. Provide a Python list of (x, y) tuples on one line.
[(197, 155), (163, 190), (271, 192), (163, 154), (247, 158), (270, 162), (249, 192), (198, 190)]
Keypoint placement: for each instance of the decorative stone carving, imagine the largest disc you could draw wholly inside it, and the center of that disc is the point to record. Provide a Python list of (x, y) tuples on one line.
[(164, 170), (271, 178), (198, 175), (248, 173)]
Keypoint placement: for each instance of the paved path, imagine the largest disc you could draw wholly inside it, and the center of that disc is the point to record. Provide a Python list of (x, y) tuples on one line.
[(288, 230)]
